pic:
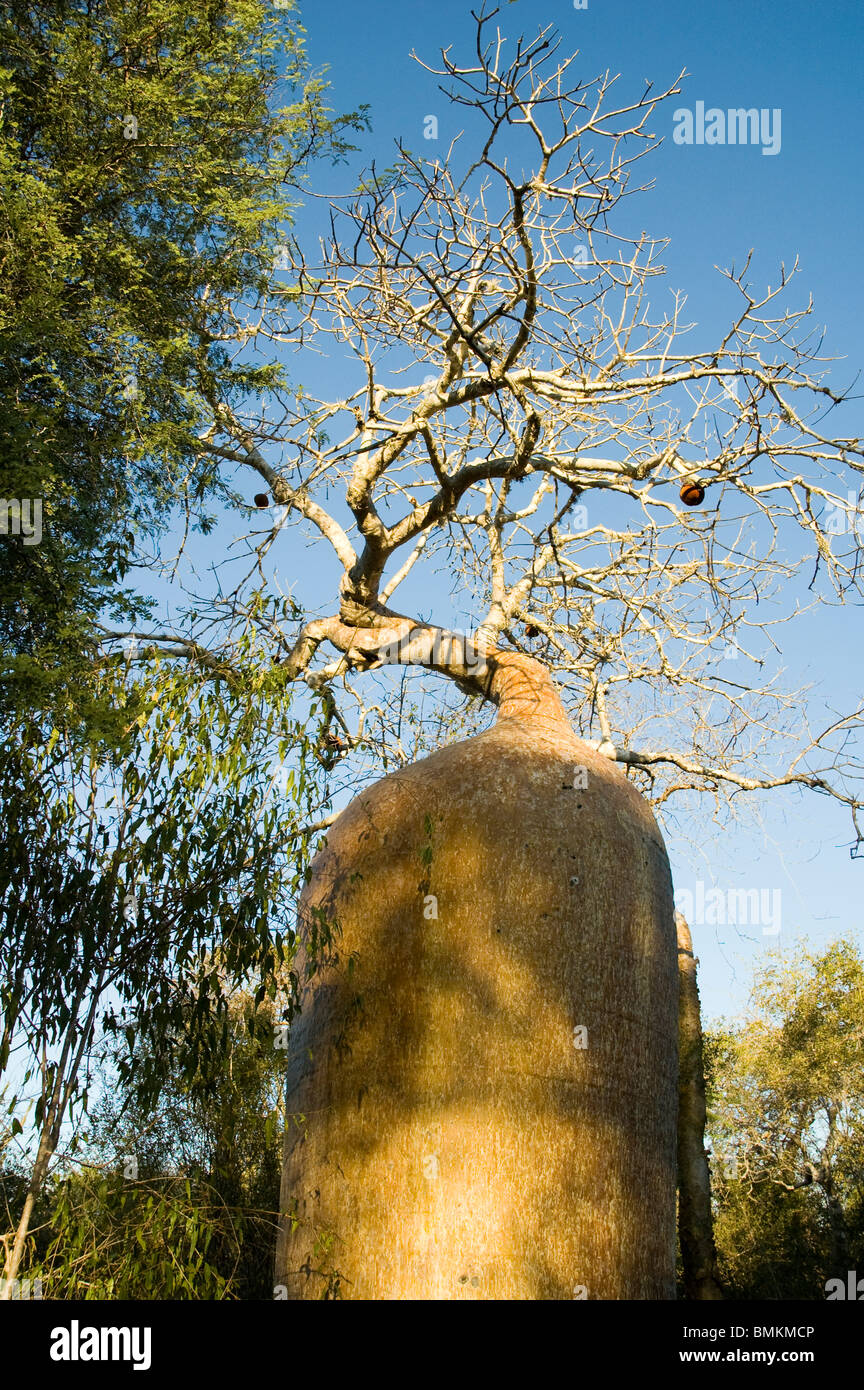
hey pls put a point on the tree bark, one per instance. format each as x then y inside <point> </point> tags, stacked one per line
<point>482,1079</point>
<point>695,1220</point>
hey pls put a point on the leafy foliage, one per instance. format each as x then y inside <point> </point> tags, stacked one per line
<point>178,1199</point>
<point>139,885</point>
<point>146,173</point>
<point>786,1120</point>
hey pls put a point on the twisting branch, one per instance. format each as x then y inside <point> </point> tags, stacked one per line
<point>514,414</point>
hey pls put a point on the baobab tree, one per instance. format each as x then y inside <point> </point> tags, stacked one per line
<point>613,502</point>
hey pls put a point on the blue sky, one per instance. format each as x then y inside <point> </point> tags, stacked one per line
<point>715,203</point>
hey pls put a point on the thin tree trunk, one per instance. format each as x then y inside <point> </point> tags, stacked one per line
<point>52,1123</point>
<point>37,1177</point>
<point>695,1221</point>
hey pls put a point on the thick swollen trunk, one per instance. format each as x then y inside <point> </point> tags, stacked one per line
<point>695,1221</point>
<point>482,1083</point>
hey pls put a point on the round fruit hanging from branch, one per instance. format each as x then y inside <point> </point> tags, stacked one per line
<point>692,493</point>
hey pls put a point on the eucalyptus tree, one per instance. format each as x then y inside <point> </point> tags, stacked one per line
<point>139,885</point>
<point>152,157</point>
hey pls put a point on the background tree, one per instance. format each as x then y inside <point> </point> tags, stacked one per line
<point>151,156</point>
<point>177,1199</point>
<point>139,886</point>
<point>786,1123</point>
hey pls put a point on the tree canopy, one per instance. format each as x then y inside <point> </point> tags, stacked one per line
<point>786,1123</point>
<point>151,157</point>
